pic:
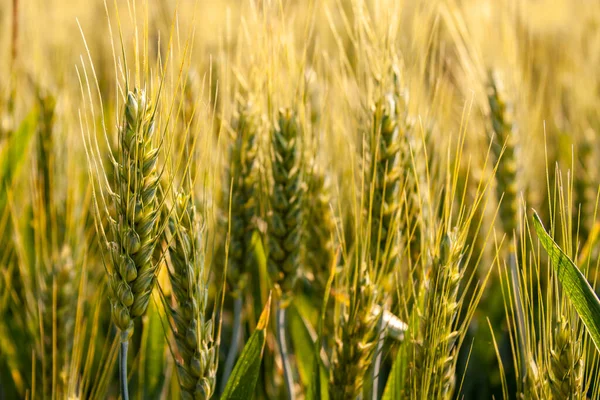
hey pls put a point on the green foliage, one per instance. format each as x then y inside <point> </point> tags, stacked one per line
<point>243,379</point>
<point>573,282</point>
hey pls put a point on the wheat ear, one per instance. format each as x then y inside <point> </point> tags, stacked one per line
<point>193,331</point>
<point>566,363</point>
<point>132,276</point>
<point>243,211</point>
<point>431,369</point>
<point>285,224</point>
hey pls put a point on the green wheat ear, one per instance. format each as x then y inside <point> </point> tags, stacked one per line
<point>134,230</point>
<point>566,363</point>
<point>193,331</point>
<point>285,224</point>
<point>244,202</point>
<point>504,149</point>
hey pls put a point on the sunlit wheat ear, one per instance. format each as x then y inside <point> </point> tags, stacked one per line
<point>383,194</point>
<point>566,362</point>
<point>504,149</point>
<point>356,336</point>
<point>285,223</point>
<point>134,227</point>
<point>431,368</point>
<point>244,196</point>
<point>192,327</point>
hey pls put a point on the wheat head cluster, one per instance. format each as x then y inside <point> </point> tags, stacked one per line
<point>277,199</point>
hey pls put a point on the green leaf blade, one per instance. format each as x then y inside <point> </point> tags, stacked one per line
<point>242,382</point>
<point>579,291</point>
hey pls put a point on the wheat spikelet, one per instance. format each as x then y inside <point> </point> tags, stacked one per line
<point>285,223</point>
<point>244,207</point>
<point>566,363</point>
<point>135,230</point>
<point>431,367</point>
<point>193,331</point>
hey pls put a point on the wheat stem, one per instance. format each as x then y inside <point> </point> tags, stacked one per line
<point>236,337</point>
<point>123,365</point>
<point>378,357</point>
<point>283,349</point>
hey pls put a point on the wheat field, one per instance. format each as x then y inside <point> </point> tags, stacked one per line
<point>311,199</point>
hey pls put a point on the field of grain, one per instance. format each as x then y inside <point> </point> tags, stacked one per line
<point>310,199</point>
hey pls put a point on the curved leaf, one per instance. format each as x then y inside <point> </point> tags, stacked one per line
<point>574,284</point>
<point>243,379</point>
